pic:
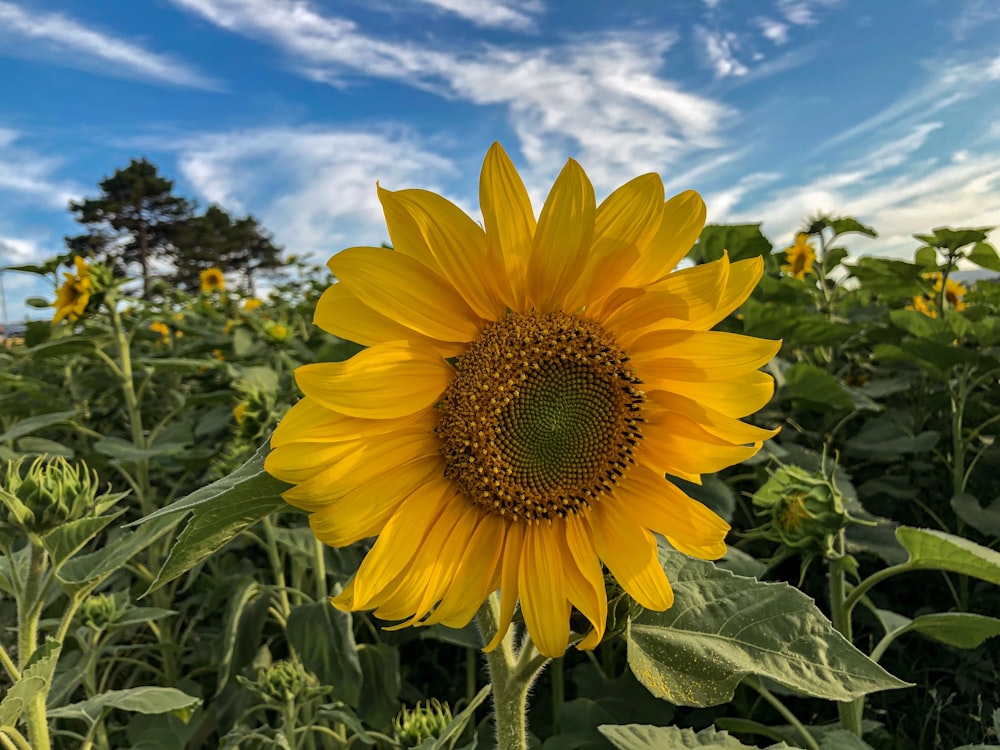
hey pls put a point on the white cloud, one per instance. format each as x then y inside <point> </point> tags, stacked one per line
<point>514,14</point>
<point>30,174</point>
<point>70,43</point>
<point>802,12</point>
<point>720,48</point>
<point>601,98</point>
<point>775,31</point>
<point>974,15</point>
<point>325,180</point>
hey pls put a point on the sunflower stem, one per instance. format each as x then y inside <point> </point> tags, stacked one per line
<point>510,678</point>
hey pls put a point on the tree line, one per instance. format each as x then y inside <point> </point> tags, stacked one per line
<point>137,221</point>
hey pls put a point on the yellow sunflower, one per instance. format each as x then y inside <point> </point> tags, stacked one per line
<point>212,280</point>
<point>74,293</point>
<point>158,326</point>
<point>526,388</point>
<point>800,257</point>
<point>954,294</point>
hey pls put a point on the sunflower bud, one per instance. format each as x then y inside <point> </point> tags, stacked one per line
<point>283,681</point>
<point>52,492</point>
<point>427,720</point>
<point>805,510</point>
<point>98,611</point>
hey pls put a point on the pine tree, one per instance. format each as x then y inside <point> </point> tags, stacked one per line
<point>135,220</point>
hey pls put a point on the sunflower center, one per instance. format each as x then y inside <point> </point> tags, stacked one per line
<point>542,417</point>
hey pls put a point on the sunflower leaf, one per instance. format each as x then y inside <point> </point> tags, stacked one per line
<point>940,551</point>
<point>646,737</point>
<point>724,627</point>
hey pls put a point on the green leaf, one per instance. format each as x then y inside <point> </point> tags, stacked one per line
<point>647,737</point>
<point>741,241</point>
<point>453,732</point>
<point>958,629</point>
<point>219,512</point>
<point>242,342</point>
<point>848,224</point>
<point>143,700</point>
<point>807,382</point>
<point>940,551</point>
<point>36,678</point>
<point>324,639</point>
<point>85,569</point>
<point>984,520</point>
<point>177,364</point>
<point>985,256</point>
<point>127,452</point>
<point>31,424</point>
<point>841,739</point>
<point>379,699</point>
<point>32,445</point>
<point>920,325</point>
<point>723,627</point>
<point>927,257</point>
<point>65,541</point>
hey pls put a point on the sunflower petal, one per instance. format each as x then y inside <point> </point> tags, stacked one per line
<point>584,577</point>
<point>420,299</point>
<point>713,422</point>
<point>508,218</point>
<point>513,549</point>
<point>676,445</point>
<point>562,239</point>
<point>385,381</point>
<point>629,551</point>
<point>543,599</point>
<point>699,356</point>
<point>682,222</point>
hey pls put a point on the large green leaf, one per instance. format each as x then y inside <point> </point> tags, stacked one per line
<point>723,627</point>
<point>740,241</point>
<point>65,541</point>
<point>646,737</point>
<point>379,699</point>
<point>143,700</point>
<point>958,629</point>
<point>31,424</point>
<point>35,680</point>
<point>324,639</point>
<point>219,512</point>
<point>984,520</point>
<point>936,549</point>
<point>985,256</point>
<point>847,224</point>
<point>805,382</point>
<point>84,569</point>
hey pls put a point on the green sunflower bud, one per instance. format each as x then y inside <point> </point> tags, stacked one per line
<point>805,511</point>
<point>284,681</point>
<point>50,493</point>
<point>98,611</point>
<point>426,720</point>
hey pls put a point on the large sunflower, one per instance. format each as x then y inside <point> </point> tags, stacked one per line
<point>525,390</point>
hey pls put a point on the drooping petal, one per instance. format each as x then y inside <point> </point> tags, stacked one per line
<point>735,397</point>
<point>585,577</point>
<point>419,298</point>
<point>510,566</point>
<point>363,511</point>
<point>446,239</point>
<point>562,239</point>
<point>543,597</point>
<point>340,312</point>
<point>676,445</point>
<point>509,220</point>
<point>712,421</point>
<point>658,505</point>
<point>385,381</point>
<point>629,551</point>
<point>698,356</point>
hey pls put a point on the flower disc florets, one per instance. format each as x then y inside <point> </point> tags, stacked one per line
<point>542,417</point>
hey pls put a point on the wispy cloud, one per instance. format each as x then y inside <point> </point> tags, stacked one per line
<point>720,49</point>
<point>70,43</point>
<point>775,31</point>
<point>325,180</point>
<point>803,12</point>
<point>513,14</point>
<point>601,98</point>
<point>26,173</point>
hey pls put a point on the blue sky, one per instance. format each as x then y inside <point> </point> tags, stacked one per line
<point>888,110</point>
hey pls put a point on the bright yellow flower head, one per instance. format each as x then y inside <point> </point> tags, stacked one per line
<point>251,304</point>
<point>800,257</point>
<point>212,280</point>
<point>528,383</point>
<point>953,296</point>
<point>277,332</point>
<point>158,326</point>
<point>74,293</point>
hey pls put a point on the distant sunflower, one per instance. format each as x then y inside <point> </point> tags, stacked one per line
<point>800,257</point>
<point>74,293</point>
<point>212,280</point>
<point>527,385</point>
<point>954,296</point>
<point>158,326</point>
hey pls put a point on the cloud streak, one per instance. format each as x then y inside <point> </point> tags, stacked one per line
<point>70,43</point>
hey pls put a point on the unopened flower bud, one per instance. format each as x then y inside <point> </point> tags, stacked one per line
<point>426,720</point>
<point>50,493</point>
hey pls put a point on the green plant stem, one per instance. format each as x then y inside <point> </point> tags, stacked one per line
<point>29,611</point>
<point>277,568</point>
<point>781,708</point>
<point>288,714</point>
<point>13,739</point>
<point>511,675</point>
<point>849,711</point>
<point>557,673</point>
<point>8,664</point>
<point>322,590</point>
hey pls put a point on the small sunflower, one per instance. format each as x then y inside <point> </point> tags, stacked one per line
<point>526,388</point>
<point>74,293</point>
<point>158,326</point>
<point>251,304</point>
<point>954,294</point>
<point>800,257</point>
<point>212,280</point>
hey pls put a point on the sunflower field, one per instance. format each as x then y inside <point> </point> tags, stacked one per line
<point>604,478</point>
